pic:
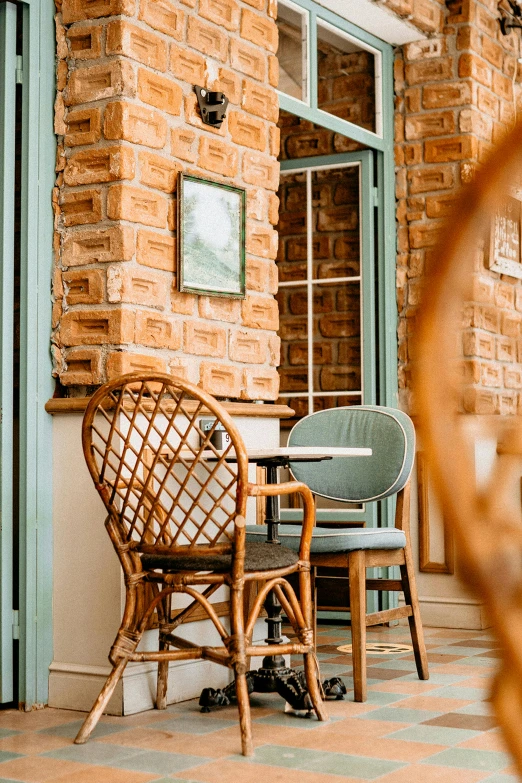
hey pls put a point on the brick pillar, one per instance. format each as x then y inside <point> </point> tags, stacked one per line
<point>456,98</point>
<point>128,123</point>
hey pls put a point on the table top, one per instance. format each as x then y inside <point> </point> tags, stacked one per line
<point>297,453</point>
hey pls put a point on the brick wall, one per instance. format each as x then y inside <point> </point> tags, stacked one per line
<point>456,96</point>
<point>128,123</point>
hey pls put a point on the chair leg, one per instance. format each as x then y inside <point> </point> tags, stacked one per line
<point>163,681</point>
<point>245,723</point>
<point>311,675</point>
<point>357,580</point>
<point>411,598</point>
<point>101,702</point>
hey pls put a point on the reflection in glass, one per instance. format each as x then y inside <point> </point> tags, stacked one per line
<point>335,221</point>
<point>292,52</point>
<point>293,330</point>
<point>337,338</point>
<point>347,78</point>
<point>291,258</point>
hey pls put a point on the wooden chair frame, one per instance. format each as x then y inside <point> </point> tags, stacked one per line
<point>357,562</point>
<point>141,521</point>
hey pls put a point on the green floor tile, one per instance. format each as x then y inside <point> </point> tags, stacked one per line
<point>195,724</point>
<point>477,708</point>
<point>72,729</point>
<point>8,733</point>
<point>399,715</point>
<point>383,698</point>
<point>93,753</point>
<point>466,758</point>
<point>497,779</point>
<point>395,663</point>
<point>322,762</point>
<point>6,755</point>
<point>159,762</point>
<point>10,780</point>
<point>292,721</point>
<point>433,735</point>
<point>456,692</point>
<point>438,678</point>
<point>463,651</point>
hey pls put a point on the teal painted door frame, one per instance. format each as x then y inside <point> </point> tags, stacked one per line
<point>35,72</point>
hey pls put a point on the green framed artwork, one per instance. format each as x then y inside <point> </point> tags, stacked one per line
<point>211,238</point>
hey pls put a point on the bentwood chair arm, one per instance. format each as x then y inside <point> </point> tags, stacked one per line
<point>289,488</point>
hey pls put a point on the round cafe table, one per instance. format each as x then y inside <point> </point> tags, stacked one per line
<point>274,675</point>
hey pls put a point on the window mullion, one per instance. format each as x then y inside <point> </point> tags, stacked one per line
<point>309,291</point>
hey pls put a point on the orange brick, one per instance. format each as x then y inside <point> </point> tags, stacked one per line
<point>260,384</point>
<point>156,250</point>
<point>136,286</point>
<point>426,50</point>
<point>486,21</point>
<point>487,102</point>
<point>221,380</point>
<point>187,66</point>
<point>473,121</point>
<point>83,206</point>
<point>182,144</point>
<point>218,156</point>
<point>119,363</point>
<point>98,246</point>
<point>274,349</point>
<point>273,209</point>
<point>503,86</point>
<point>137,205</point>
<point>420,126</point>
<point>261,241</point>
<point>138,44</point>
<point>187,368</point>
<point>157,331</point>
<point>424,235</point>
<point>247,59</point>
<point>181,302</point>
<point>247,347</point>
<point>164,16</point>
<point>247,131</point>
<point>511,323</point>
<point>456,148</point>
<point>207,39</point>
<point>423,180</point>
<point>214,308</point>
<point>227,82</point>
<point>259,30</point>
<point>224,13</point>
<point>471,65</point>
<point>429,70</point>
<point>83,367</point>
<point>273,71</point>
<point>256,275</point>
<point>83,287</point>
<point>260,170</point>
<point>435,96</point>
<point>135,123</point>
<point>479,401</point>
<point>85,41</point>
<point>261,101</point>
<point>171,215</point>
<point>76,10</point>
<point>193,116</point>
<point>97,327</point>
<point>259,4</point>
<point>492,52</point>
<point>82,126</point>
<point>260,312</point>
<point>158,172</point>
<point>100,165</point>
<point>204,339</point>
<point>427,15</point>
<point>274,141</point>
<point>116,77</point>
<point>440,206</point>
<point>159,91</point>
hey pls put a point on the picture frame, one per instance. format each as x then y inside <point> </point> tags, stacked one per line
<point>211,237</point>
<point>505,239</point>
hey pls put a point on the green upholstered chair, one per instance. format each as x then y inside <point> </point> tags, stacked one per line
<point>391,436</point>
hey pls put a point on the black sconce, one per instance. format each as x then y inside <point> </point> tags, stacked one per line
<point>512,19</point>
<point>212,106</point>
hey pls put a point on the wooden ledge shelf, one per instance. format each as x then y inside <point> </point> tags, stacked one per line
<point>266,411</point>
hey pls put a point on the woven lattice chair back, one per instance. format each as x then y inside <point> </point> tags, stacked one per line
<point>158,473</point>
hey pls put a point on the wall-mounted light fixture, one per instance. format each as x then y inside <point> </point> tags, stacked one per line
<point>510,16</point>
<point>212,105</point>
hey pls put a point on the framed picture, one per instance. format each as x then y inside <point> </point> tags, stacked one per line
<point>504,250</point>
<point>211,238</point>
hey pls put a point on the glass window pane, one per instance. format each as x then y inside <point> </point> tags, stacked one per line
<point>293,331</point>
<point>335,221</point>
<point>337,338</point>
<point>347,78</point>
<point>291,228</point>
<point>292,53</point>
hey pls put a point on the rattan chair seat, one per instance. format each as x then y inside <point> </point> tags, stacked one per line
<point>258,557</point>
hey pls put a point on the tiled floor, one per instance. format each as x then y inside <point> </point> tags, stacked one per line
<point>407,732</point>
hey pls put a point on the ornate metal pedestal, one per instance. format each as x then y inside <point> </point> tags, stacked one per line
<point>274,676</point>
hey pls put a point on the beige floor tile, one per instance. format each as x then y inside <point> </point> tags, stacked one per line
<point>392,686</point>
<point>424,773</point>
<point>104,775</point>
<point>226,742</point>
<point>487,740</point>
<point>29,743</point>
<point>38,769</point>
<point>37,719</point>
<point>245,772</point>
<point>435,703</point>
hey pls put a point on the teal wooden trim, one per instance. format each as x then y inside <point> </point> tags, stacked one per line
<point>343,24</point>
<point>312,59</point>
<point>36,386</point>
<point>7,228</point>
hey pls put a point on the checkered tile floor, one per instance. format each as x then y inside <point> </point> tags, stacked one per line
<point>408,731</point>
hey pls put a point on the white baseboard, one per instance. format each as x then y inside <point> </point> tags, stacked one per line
<point>460,613</point>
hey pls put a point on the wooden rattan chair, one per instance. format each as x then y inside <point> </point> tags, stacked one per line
<point>177,521</point>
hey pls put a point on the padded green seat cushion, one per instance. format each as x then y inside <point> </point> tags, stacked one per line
<point>326,539</point>
<point>387,431</point>
<point>259,556</point>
